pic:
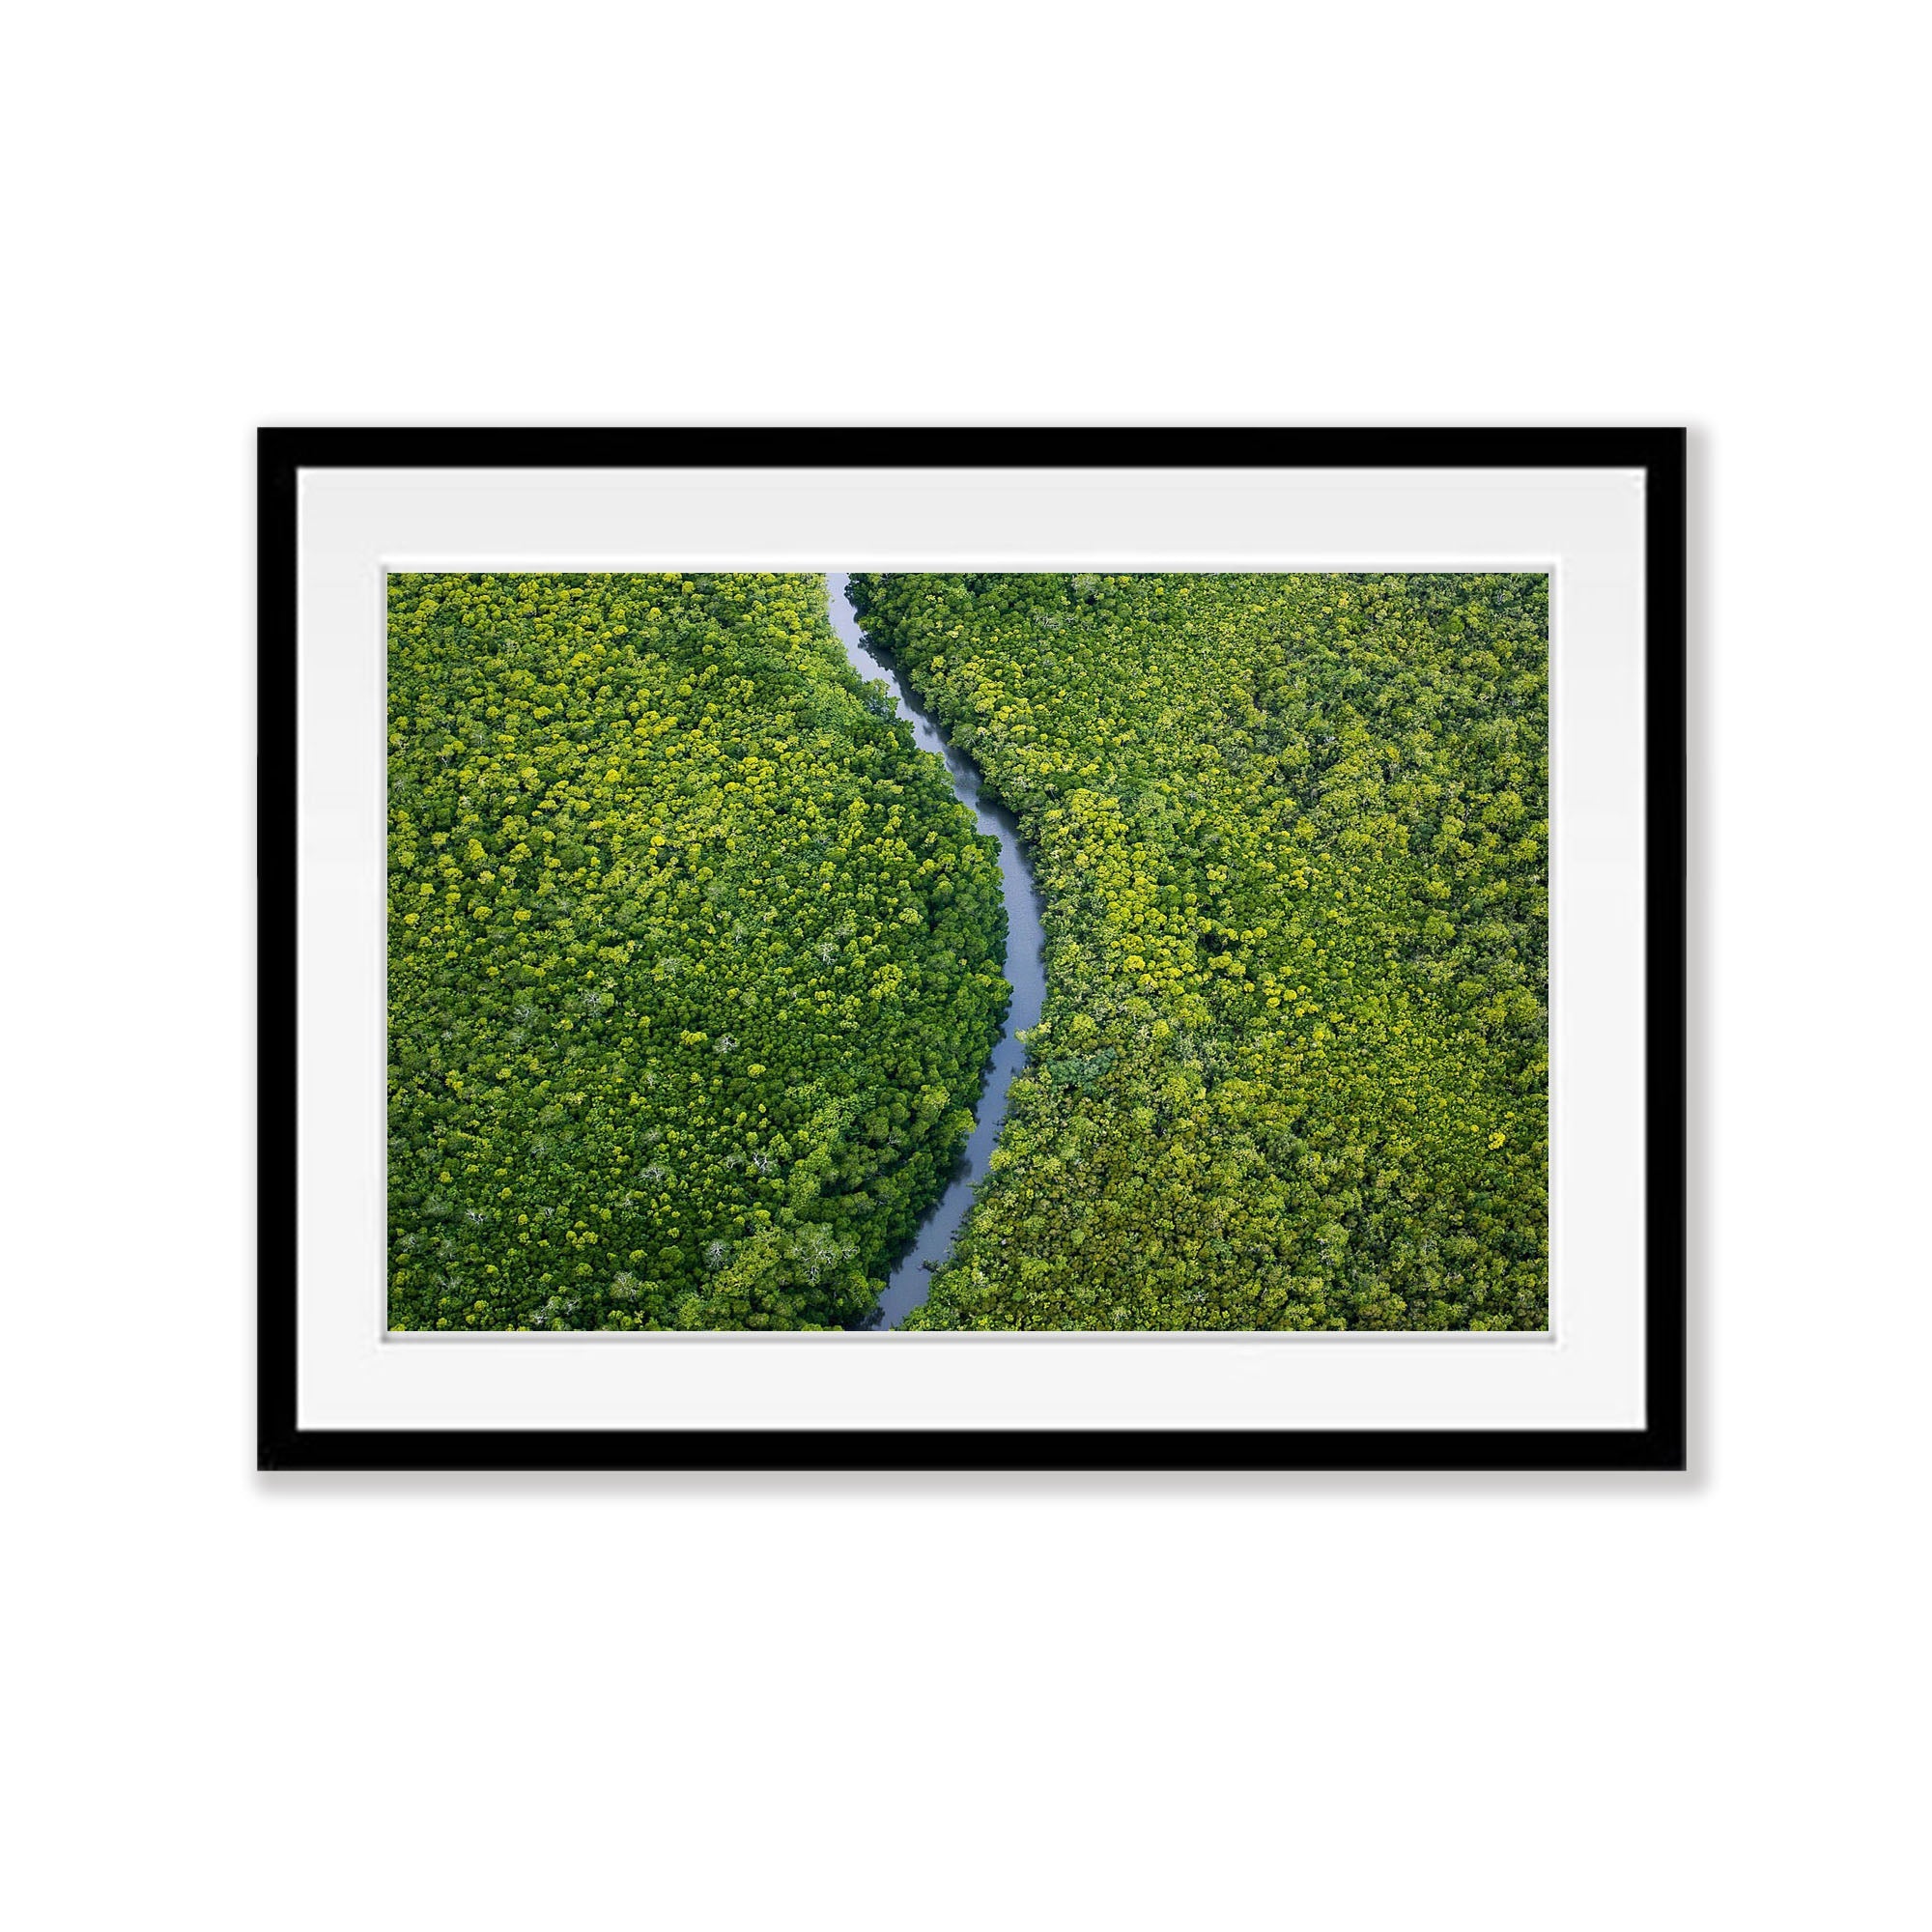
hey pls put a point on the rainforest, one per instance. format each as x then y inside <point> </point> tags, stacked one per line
<point>697,959</point>
<point>694,959</point>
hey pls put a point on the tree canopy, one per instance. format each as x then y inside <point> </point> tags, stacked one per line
<point>1290,835</point>
<point>694,959</point>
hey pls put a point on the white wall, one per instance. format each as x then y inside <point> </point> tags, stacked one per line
<point>235,1702</point>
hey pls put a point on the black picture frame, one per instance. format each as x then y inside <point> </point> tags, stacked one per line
<point>1661,1444</point>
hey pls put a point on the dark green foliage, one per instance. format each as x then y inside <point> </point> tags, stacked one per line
<point>1290,835</point>
<point>694,960</point>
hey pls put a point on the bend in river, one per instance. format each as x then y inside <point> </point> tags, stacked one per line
<point>1026,970</point>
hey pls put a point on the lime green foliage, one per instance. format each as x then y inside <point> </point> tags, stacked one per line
<point>1291,836</point>
<point>694,960</point>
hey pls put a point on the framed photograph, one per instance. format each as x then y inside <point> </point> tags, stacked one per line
<point>951,948</point>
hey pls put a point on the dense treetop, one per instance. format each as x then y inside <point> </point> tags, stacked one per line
<point>1291,834</point>
<point>694,959</point>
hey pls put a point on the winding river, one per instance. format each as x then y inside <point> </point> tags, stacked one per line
<point>1026,970</point>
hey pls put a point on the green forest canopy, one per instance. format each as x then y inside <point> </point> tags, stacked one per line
<point>694,959</point>
<point>1290,835</point>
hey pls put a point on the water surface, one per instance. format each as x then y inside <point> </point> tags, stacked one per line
<point>1026,970</point>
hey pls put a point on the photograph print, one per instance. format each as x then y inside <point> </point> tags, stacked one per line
<point>913,953</point>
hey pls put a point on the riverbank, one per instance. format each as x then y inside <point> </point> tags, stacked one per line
<point>1025,970</point>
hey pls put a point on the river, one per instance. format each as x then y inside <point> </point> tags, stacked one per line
<point>1026,970</point>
